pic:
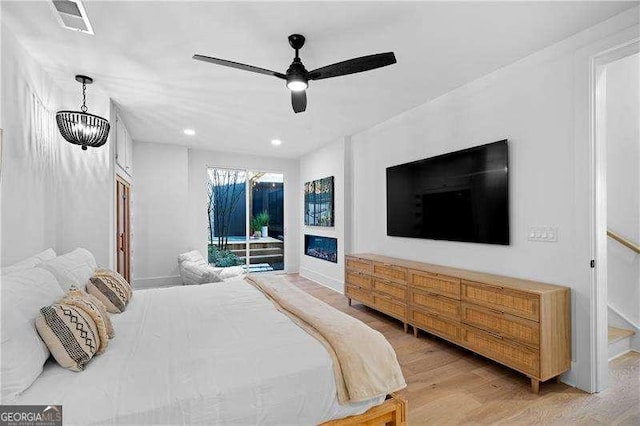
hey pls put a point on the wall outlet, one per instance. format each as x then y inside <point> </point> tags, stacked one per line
<point>547,234</point>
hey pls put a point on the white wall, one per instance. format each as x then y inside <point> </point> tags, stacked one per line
<point>28,157</point>
<point>170,203</point>
<point>542,105</point>
<point>85,200</point>
<point>623,183</point>
<point>324,162</point>
<point>531,108</point>
<point>53,193</point>
<point>160,220</point>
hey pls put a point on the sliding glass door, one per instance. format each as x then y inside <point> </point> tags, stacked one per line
<point>266,222</point>
<point>246,219</point>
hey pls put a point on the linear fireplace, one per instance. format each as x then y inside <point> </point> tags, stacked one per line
<point>325,248</point>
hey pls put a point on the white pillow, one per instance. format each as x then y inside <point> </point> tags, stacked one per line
<point>30,262</point>
<point>192,256</point>
<point>74,268</point>
<point>48,254</point>
<point>230,272</point>
<point>193,273</point>
<point>23,293</point>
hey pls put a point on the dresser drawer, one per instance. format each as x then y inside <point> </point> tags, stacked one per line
<point>356,293</point>
<point>433,323</point>
<point>522,304</point>
<point>510,326</point>
<point>397,291</point>
<point>502,350</point>
<point>358,279</point>
<point>390,272</point>
<point>389,306</point>
<point>358,264</point>
<point>435,303</point>
<point>434,283</point>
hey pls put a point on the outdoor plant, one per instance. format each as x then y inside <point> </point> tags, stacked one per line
<point>255,224</point>
<point>222,258</point>
<point>262,219</point>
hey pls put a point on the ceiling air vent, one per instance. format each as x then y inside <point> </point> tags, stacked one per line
<point>72,15</point>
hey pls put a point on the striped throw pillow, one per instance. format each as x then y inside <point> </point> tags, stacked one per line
<point>103,272</point>
<point>70,334</point>
<point>97,304</point>
<point>111,291</point>
<point>93,308</point>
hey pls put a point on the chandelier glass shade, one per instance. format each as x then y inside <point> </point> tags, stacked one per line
<point>80,127</point>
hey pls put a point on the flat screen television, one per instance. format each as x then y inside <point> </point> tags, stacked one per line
<point>460,196</point>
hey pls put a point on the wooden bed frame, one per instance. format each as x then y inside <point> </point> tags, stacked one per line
<point>392,412</point>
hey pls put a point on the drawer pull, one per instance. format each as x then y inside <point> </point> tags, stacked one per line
<point>495,287</point>
<point>497,336</point>
<point>495,311</point>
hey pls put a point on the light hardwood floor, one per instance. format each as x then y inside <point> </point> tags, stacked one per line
<point>448,385</point>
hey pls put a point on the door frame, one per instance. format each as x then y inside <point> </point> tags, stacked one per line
<point>598,194</point>
<point>127,184</point>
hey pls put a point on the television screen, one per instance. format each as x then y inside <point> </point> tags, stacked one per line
<point>460,196</point>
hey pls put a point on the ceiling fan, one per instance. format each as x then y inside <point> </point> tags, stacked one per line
<point>298,77</point>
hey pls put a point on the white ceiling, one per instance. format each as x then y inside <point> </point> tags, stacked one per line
<point>141,57</point>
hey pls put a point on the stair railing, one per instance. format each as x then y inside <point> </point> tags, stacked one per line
<point>625,242</point>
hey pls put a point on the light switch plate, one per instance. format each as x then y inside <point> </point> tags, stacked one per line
<point>548,234</point>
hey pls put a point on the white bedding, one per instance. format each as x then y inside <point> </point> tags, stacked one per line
<point>211,354</point>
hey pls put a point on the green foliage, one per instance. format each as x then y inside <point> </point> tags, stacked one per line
<point>222,258</point>
<point>255,225</point>
<point>262,219</point>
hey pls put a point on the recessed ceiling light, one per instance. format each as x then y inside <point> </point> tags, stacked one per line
<point>189,132</point>
<point>276,142</point>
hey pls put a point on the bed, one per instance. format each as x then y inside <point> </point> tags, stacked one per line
<point>217,353</point>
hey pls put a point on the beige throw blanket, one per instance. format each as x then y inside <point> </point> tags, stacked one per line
<point>364,363</point>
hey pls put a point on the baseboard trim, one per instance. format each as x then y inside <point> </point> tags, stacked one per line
<point>323,280</point>
<point>620,354</point>
<point>155,282</point>
<point>570,377</point>
<point>635,339</point>
<point>615,310</point>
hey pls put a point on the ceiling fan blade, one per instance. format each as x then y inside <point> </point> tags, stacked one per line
<point>238,65</point>
<point>352,66</point>
<point>299,101</point>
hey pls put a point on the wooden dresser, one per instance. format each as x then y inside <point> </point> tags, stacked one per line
<point>522,324</point>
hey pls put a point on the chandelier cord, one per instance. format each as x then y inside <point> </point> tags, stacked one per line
<point>83,108</point>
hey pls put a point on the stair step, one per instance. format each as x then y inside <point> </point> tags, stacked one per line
<point>260,251</point>
<point>616,334</point>
<point>263,258</point>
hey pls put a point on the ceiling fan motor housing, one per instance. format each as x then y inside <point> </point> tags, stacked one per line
<point>297,73</point>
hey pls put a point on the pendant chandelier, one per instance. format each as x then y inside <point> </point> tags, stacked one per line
<point>80,127</point>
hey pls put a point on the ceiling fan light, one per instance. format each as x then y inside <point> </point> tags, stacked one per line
<point>297,85</point>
